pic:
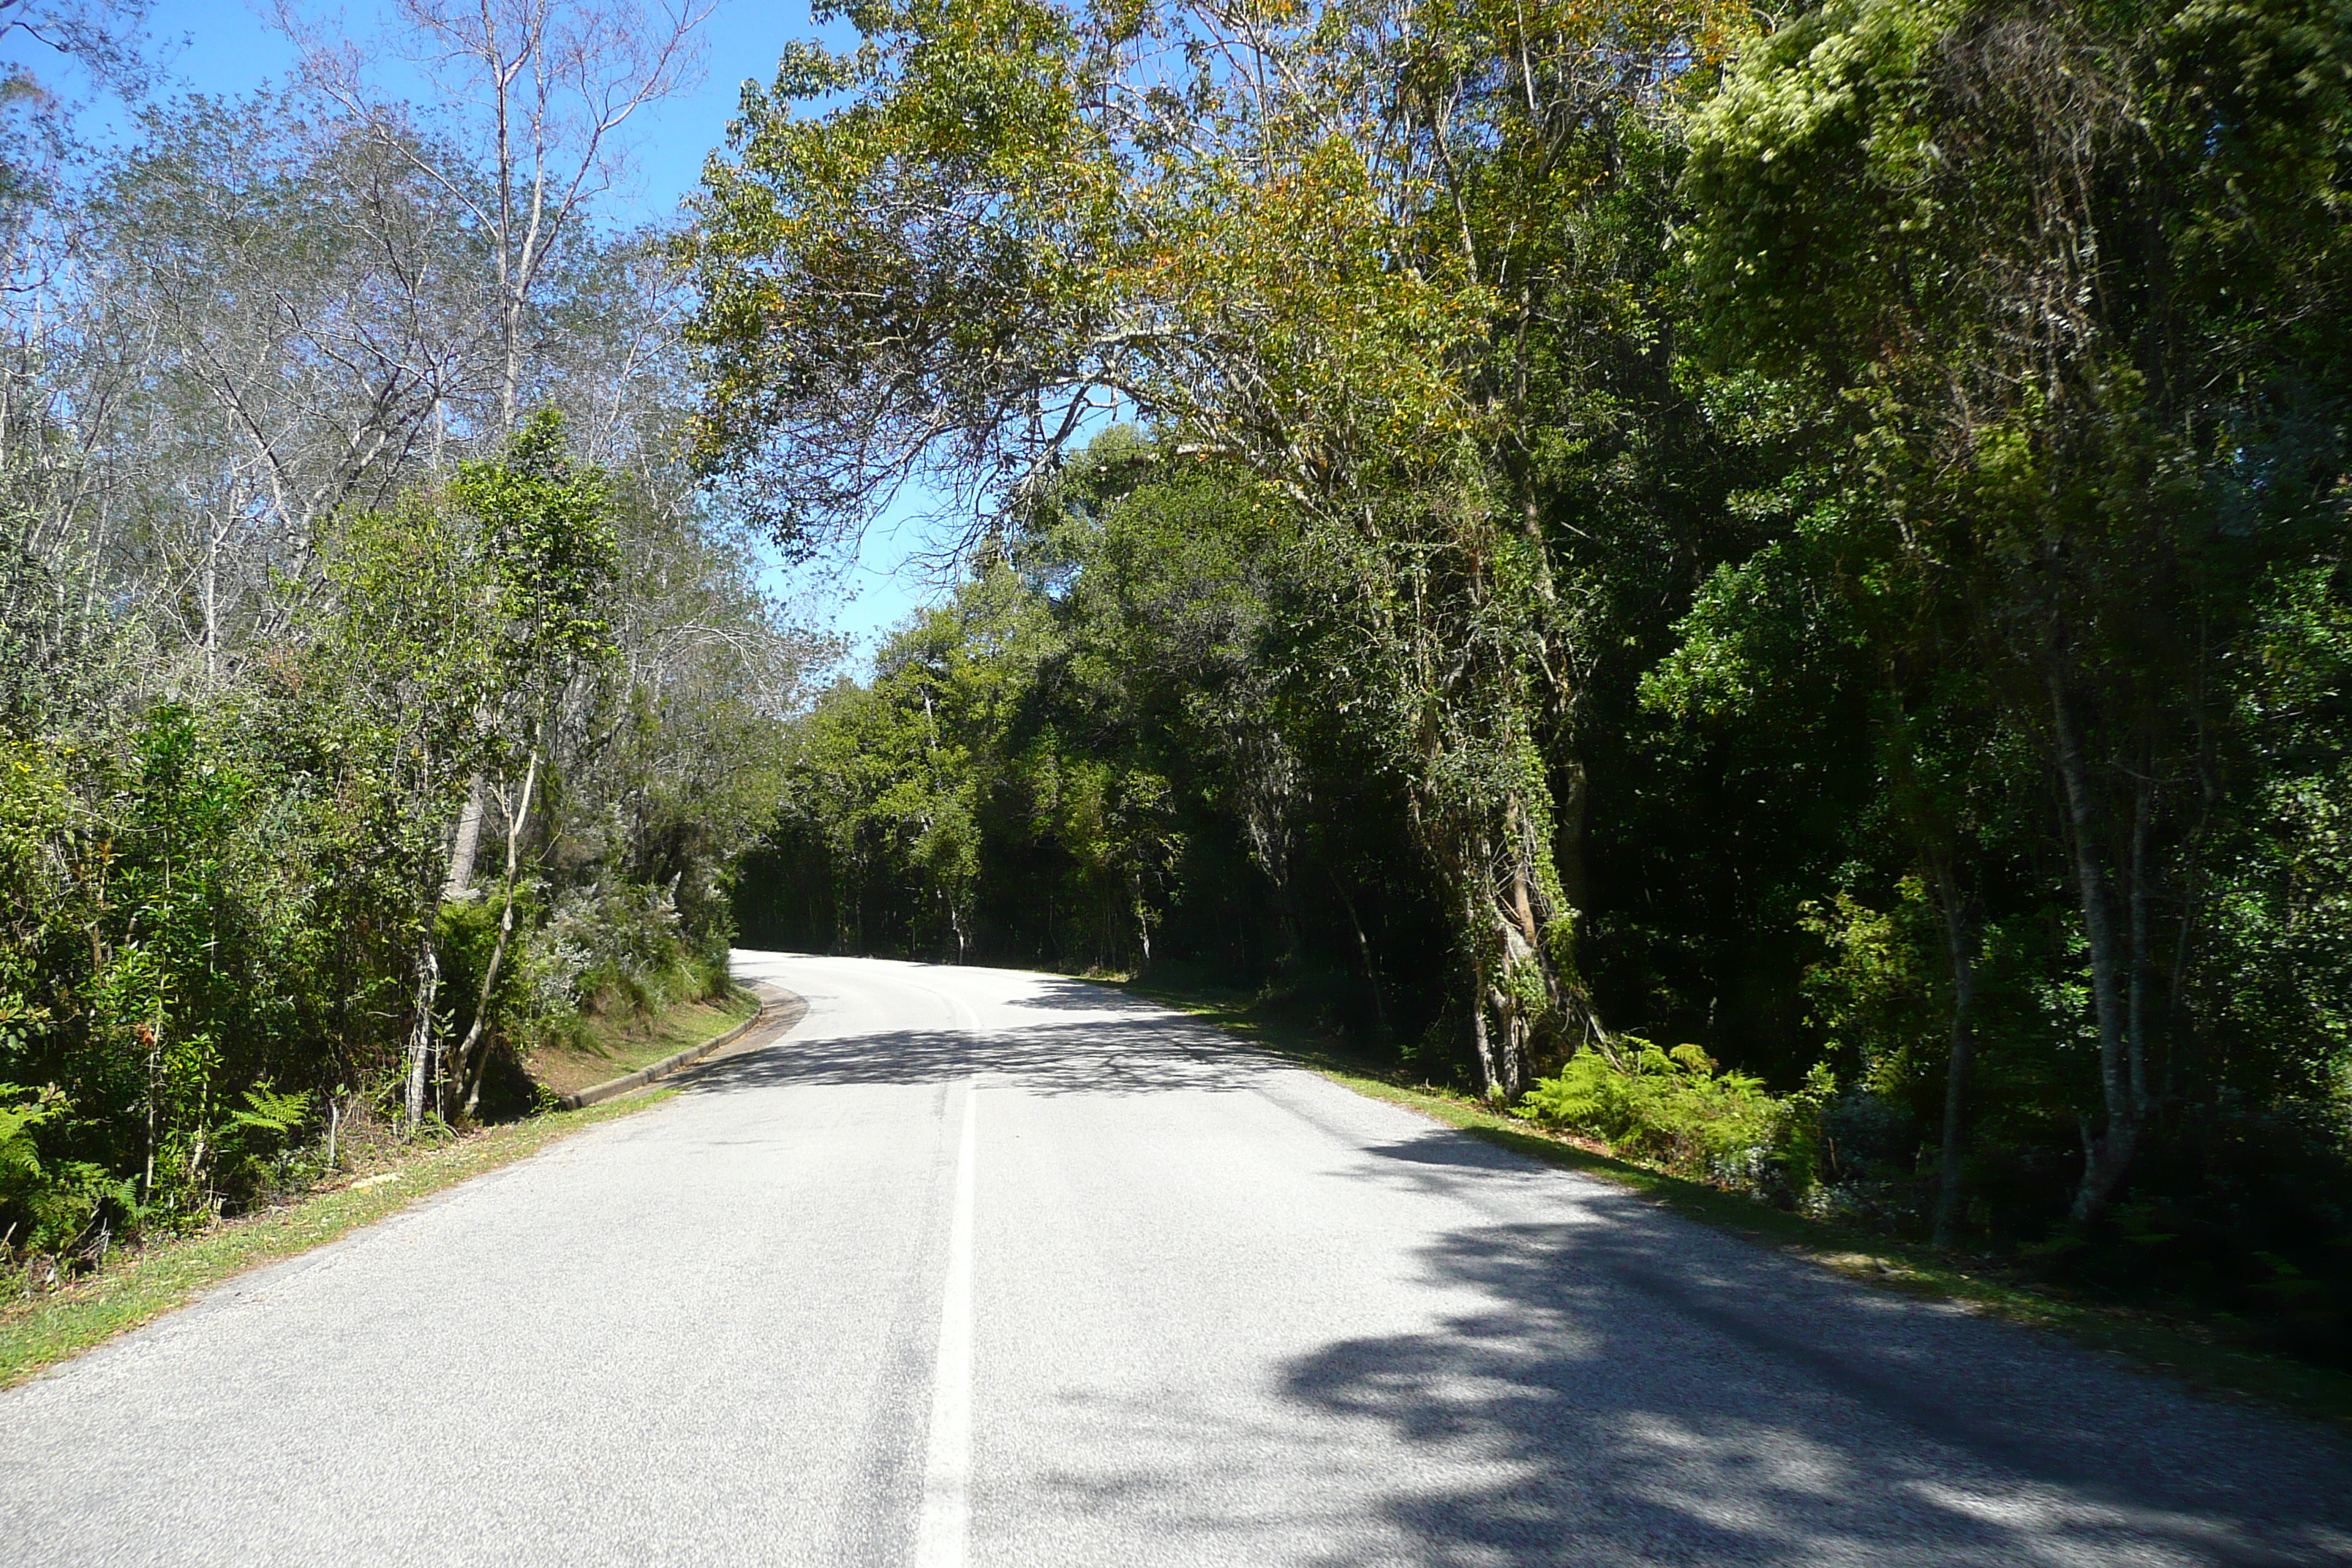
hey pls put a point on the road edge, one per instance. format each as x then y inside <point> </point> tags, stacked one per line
<point>777,1005</point>
<point>2185,1355</point>
<point>182,1272</point>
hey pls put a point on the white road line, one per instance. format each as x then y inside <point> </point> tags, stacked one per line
<point>946,1473</point>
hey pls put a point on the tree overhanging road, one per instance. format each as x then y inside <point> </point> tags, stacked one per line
<point>986,1267</point>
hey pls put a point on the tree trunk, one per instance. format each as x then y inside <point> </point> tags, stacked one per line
<point>1511,1064</point>
<point>154,1091</point>
<point>212,601</point>
<point>1489,1069</point>
<point>1569,837</point>
<point>465,843</point>
<point>420,1035</point>
<point>2142,806</point>
<point>1364,949</point>
<point>1508,895</point>
<point>1505,1029</point>
<point>2108,1158</point>
<point>1960,948</point>
<point>469,1069</point>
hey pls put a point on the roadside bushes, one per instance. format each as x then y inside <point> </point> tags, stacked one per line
<point>228,927</point>
<point>50,1207</point>
<point>183,929</point>
<point>1675,1109</point>
<point>624,947</point>
<point>2244,1207</point>
<point>209,911</point>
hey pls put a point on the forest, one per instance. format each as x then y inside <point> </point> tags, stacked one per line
<point>1769,589</point>
<point>378,692</point>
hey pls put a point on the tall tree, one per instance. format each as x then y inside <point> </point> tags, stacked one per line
<point>540,92</point>
<point>2059,274</point>
<point>1361,253</point>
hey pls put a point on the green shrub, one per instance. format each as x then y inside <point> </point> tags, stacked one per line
<point>620,947</point>
<point>1675,1109</point>
<point>47,1205</point>
<point>259,1144</point>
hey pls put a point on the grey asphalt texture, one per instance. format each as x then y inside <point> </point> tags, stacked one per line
<point>1222,1312</point>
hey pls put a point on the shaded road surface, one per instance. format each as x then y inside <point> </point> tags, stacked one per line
<point>989,1268</point>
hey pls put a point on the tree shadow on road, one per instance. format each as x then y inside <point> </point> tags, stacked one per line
<point>1672,1395</point>
<point>1062,993</point>
<point>1101,1058</point>
<point>1653,1392</point>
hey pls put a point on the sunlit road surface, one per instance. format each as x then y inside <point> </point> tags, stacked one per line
<point>993,1267</point>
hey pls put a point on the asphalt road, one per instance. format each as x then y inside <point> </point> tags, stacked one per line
<point>991,1267</point>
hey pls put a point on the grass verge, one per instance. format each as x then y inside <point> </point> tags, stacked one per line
<point>2197,1350</point>
<point>610,1047</point>
<point>143,1283</point>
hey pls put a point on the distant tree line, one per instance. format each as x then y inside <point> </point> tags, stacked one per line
<point>1824,541</point>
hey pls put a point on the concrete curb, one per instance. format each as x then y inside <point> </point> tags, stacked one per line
<point>776,1004</point>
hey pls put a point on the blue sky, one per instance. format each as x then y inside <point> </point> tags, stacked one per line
<point>223,47</point>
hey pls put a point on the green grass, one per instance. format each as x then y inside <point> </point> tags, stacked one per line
<point>611,1044</point>
<point>2196,1349</point>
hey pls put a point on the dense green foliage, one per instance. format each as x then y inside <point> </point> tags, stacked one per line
<point>1827,542</point>
<point>353,736</point>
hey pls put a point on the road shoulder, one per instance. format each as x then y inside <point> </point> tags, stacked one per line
<point>2184,1350</point>
<point>152,1281</point>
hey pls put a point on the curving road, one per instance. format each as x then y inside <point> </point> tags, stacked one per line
<point>995,1268</point>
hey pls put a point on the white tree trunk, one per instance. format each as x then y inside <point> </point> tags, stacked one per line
<point>465,845</point>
